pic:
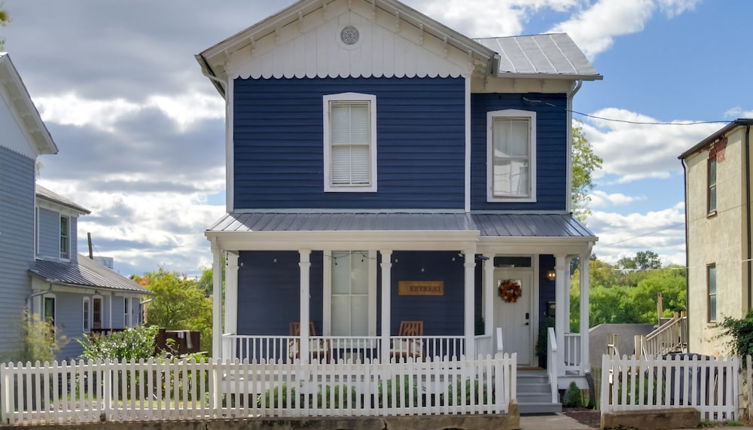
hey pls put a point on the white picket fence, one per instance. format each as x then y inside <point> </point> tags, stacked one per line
<point>82,392</point>
<point>710,385</point>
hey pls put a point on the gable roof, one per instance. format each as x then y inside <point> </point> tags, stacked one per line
<point>551,56</point>
<point>49,195</point>
<point>85,273</point>
<point>21,101</point>
<point>716,135</point>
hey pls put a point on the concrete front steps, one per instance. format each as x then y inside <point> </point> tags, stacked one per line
<point>535,393</point>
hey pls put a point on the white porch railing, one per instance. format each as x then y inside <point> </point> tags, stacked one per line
<point>709,385</point>
<point>342,348</point>
<point>78,393</point>
<point>572,353</point>
<point>552,363</point>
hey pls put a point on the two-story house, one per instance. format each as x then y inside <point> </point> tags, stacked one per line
<point>718,229</point>
<point>398,187</point>
<point>40,269</point>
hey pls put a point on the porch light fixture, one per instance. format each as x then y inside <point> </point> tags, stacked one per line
<point>551,275</point>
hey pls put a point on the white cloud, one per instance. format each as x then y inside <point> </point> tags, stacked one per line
<point>488,18</point>
<point>639,151</point>
<point>184,109</point>
<point>601,199</point>
<point>738,112</point>
<point>595,28</point>
<point>622,235</point>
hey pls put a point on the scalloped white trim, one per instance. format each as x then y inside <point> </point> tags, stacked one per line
<point>341,75</point>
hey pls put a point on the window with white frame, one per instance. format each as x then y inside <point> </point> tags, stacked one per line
<point>65,237</point>
<point>126,312</point>
<point>350,143</point>
<point>97,312</point>
<point>350,293</point>
<point>511,157</point>
<point>86,314</point>
<point>48,309</point>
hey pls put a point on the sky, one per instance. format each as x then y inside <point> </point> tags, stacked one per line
<point>141,131</point>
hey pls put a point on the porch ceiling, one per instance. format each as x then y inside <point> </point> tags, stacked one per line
<point>553,226</point>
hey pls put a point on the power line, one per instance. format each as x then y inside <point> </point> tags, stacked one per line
<point>648,122</point>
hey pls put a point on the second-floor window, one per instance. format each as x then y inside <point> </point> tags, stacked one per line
<point>511,172</point>
<point>350,143</point>
<point>711,194</point>
<point>65,239</point>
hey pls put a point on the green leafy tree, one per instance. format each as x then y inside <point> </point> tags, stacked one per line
<point>739,334</point>
<point>179,304</point>
<point>584,163</point>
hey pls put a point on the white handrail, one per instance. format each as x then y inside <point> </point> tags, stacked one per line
<point>499,339</point>
<point>551,363</point>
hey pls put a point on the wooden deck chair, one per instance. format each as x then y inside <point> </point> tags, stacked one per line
<point>409,348</point>
<point>319,349</point>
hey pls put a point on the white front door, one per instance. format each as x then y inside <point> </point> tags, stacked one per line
<point>515,318</point>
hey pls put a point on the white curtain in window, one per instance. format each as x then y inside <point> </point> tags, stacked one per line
<point>350,293</point>
<point>511,137</point>
<point>350,131</point>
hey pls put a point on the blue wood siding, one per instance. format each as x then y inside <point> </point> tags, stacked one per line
<point>69,320</point>
<point>278,133</point>
<point>551,149</point>
<point>442,315</point>
<point>49,234</point>
<point>16,243</point>
<point>268,291</point>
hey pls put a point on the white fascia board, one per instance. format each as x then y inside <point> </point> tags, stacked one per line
<point>554,76</point>
<point>21,101</point>
<point>64,210</point>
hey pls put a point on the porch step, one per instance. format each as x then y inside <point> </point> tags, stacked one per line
<point>534,393</point>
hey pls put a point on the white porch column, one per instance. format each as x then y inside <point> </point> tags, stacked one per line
<point>585,282</point>
<point>386,296</point>
<point>216,302</point>
<point>559,320</point>
<point>489,299</point>
<point>231,292</point>
<point>305,265</point>
<point>470,278</point>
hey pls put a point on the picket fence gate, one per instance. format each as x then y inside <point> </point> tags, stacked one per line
<point>711,385</point>
<point>85,392</point>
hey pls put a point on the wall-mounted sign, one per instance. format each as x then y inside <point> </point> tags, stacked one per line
<point>421,288</point>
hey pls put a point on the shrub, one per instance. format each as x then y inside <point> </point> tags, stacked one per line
<point>397,382</point>
<point>132,344</point>
<point>739,334</point>
<point>39,342</point>
<point>471,389</point>
<point>573,397</point>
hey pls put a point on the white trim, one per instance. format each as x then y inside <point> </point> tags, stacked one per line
<point>55,311</point>
<point>229,146</point>
<point>327,290</point>
<point>468,154</point>
<point>357,211</point>
<point>86,314</point>
<point>44,203</point>
<point>60,237</point>
<point>101,310</point>
<point>533,312</point>
<point>350,97</point>
<point>568,155</point>
<point>36,229</point>
<point>372,292</point>
<point>327,293</point>
<point>510,113</point>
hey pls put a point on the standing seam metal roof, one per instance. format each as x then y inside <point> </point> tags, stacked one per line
<point>85,273</point>
<point>494,225</point>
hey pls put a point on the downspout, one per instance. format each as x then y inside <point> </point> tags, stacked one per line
<point>687,258</point>
<point>747,213</point>
<point>31,296</point>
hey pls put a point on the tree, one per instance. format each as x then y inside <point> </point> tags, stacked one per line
<point>584,163</point>
<point>643,260</point>
<point>4,20</point>
<point>179,304</point>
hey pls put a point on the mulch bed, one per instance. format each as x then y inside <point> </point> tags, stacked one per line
<point>585,416</point>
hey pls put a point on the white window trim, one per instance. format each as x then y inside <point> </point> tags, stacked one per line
<point>60,233</point>
<point>509,113</point>
<point>351,97</point>
<point>84,311</point>
<point>101,310</point>
<point>127,312</point>
<point>55,311</point>
<point>327,292</point>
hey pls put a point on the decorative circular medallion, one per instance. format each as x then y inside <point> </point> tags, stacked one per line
<point>349,35</point>
<point>509,290</point>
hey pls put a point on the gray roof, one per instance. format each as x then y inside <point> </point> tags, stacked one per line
<point>54,197</point>
<point>716,135</point>
<point>527,225</point>
<point>552,55</point>
<point>85,273</point>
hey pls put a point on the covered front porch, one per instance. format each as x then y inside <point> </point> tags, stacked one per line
<point>382,288</point>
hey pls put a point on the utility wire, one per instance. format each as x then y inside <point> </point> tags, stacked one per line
<point>648,122</point>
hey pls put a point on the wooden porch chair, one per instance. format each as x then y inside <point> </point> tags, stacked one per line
<point>319,349</point>
<point>409,348</point>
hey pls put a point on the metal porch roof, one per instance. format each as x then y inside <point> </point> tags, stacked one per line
<point>492,225</point>
<point>552,55</point>
<point>85,273</point>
